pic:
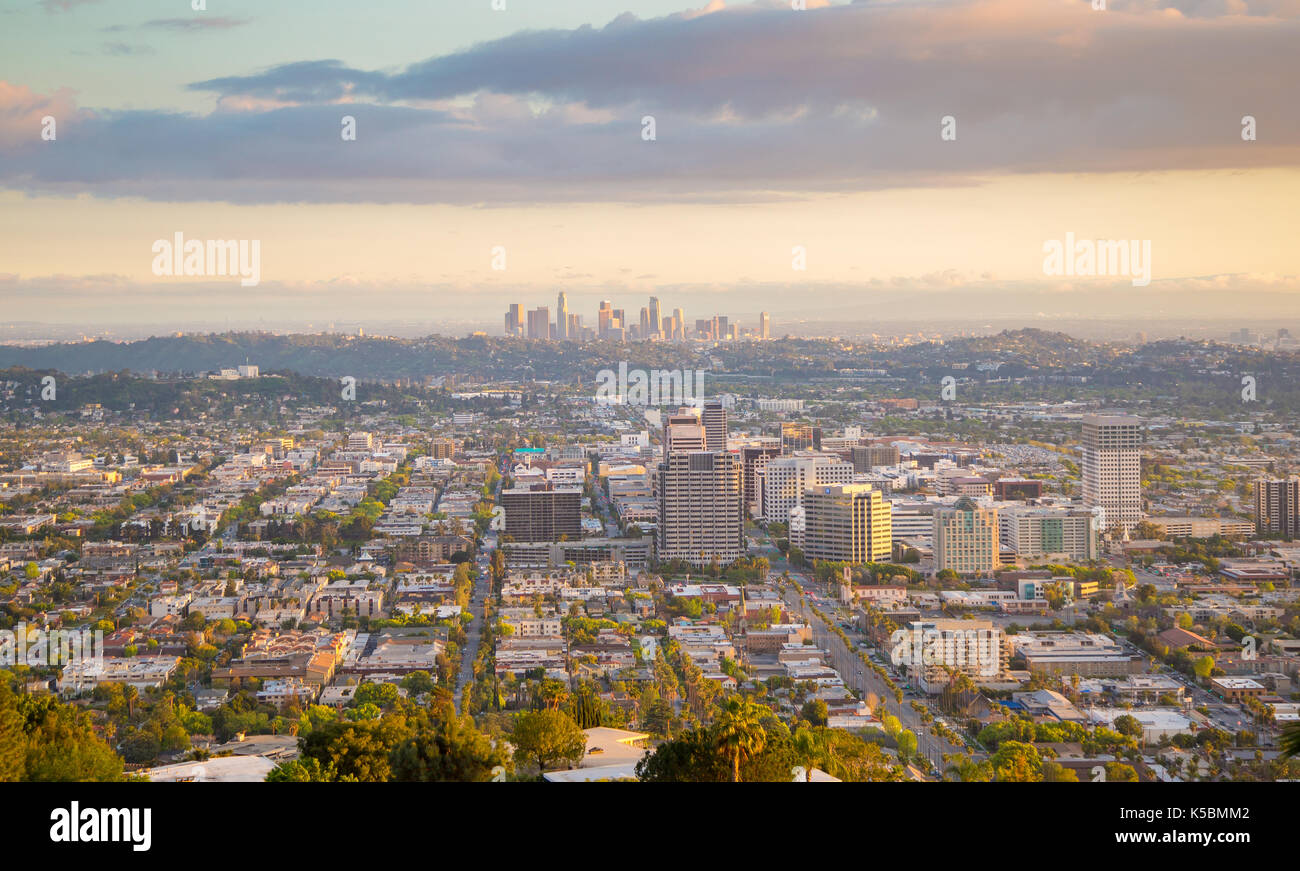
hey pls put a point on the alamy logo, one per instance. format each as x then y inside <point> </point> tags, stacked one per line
<point>37,648</point>
<point>1131,257</point>
<point>649,387</point>
<point>76,824</point>
<point>215,257</point>
<point>975,651</point>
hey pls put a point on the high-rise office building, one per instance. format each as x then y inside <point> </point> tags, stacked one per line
<point>715,425</point>
<point>699,508</point>
<point>679,323</point>
<point>1112,467</point>
<point>604,317</point>
<point>753,462</point>
<point>764,325</point>
<point>846,523</point>
<point>800,437</point>
<point>966,539</point>
<point>1277,506</point>
<point>562,316</point>
<point>515,320</point>
<point>785,479</point>
<point>644,325</point>
<point>539,323</point>
<point>656,316</point>
<point>543,512</point>
<point>683,431</point>
<point>868,457</point>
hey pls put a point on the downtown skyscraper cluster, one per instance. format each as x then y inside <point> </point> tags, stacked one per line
<point>654,322</point>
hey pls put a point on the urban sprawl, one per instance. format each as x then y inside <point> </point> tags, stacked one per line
<point>1016,558</point>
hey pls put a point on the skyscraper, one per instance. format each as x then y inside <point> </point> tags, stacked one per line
<point>799,437</point>
<point>604,317</point>
<point>715,425</point>
<point>683,431</point>
<point>562,316</point>
<point>867,457</point>
<point>539,323</point>
<point>847,523</point>
<point>699,508</point>
<point>679,323</point>
<point>1277,506</point>
<point>764,325</point>
<point>1112,467</point>
<point>515,320</point>
<point>753,464</point>
<point>656,316</point>
<point>786,479</point>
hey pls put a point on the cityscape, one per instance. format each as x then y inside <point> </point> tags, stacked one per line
<point>667,391</point>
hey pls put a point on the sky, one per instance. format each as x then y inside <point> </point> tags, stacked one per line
<point>887,158</point>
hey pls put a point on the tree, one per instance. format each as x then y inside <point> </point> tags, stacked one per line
<point>1118,772</point>
<point>1017,762</point>
<point>815,712</point>
<point>693,757</point>
<point>381,695</point>
<point>842,754</point>
<point>418,683</point>
<point>1055,772</point>
<point>356,751</point>
<point>57,742</point>
<point>547,737</point>
<point>1127,724</point>
<point>739,733</point>
<point>966,770</point>
<point>1204,667</point>
<point>906,744</point>
<point>305,770</point>
<point>453,750</point>
<point>13,762</point>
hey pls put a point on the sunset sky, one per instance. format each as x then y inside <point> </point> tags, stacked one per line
<point>522,128</point>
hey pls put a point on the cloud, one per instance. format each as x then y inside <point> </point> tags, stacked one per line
<point>750,103</point>
<point>123,49</point>
<point>64,5</point>
<point>22,111</point>
<point>196,23</point>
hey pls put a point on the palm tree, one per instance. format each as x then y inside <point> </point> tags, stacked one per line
<point>1291,740</point>
<point>739,733</point>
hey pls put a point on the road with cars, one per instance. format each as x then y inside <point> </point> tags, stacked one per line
<point>856,675</point>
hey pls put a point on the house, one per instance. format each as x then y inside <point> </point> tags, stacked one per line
<point>1179,639</point>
